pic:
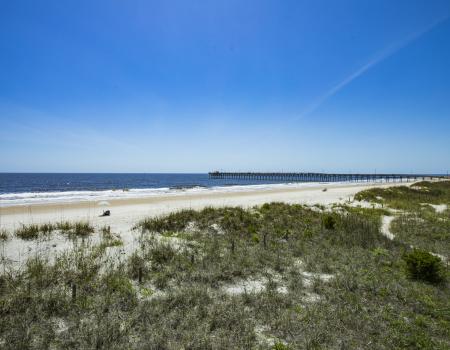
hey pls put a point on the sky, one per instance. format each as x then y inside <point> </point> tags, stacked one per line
<point>195,86</point>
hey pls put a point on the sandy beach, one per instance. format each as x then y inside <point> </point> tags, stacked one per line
<point>125,213</point>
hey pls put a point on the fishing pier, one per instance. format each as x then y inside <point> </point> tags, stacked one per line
<point>319,177</point>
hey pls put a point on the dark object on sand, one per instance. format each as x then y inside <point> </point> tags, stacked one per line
<point>106,213</point>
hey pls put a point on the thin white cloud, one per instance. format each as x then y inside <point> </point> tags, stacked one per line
<point>381,56</point>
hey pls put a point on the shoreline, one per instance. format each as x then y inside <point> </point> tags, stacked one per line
<point>128,210</point>
<point>58,198</point>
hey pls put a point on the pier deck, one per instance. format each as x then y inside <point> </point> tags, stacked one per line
<point>319,177</point>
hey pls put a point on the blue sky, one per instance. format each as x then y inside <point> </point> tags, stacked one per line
<point>192,86</point>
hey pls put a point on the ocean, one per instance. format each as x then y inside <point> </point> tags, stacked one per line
<point>32,188</point>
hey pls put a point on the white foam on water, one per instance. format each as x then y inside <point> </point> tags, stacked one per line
<point>28,198</point>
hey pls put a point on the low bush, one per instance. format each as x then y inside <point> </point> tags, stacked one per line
<point>422,265</point>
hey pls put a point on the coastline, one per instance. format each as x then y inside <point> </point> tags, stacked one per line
<point>65,197</point>
<point>126,213</point>
<point>135,209</point>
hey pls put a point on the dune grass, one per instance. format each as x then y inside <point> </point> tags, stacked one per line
<point>72,229</point>
<point>81,229</point>
<point>424,229</point>
<point>109,239</point>
<point>418,224</point>
<point>409,198</point>
<point>4,235</point>
<point>28,232</point>
<point>339,286</point>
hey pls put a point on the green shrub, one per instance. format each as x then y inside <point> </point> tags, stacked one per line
<point>329,222</point>
<point>424,266</point>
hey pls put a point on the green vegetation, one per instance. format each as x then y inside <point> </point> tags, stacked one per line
<point>424,229</point>
<point>28,232</point>
<point>373,213</point>
<point>424,266</point>
<point>64,226</point>
<point>418,224</point>
<point>109,239</point>
<point>277,276</point>
<point>280,346</point>
<point>407,198</point>
<point>72,229</point>
<point>4,236</point>
<point>329,222</point>
<point>81,229</point>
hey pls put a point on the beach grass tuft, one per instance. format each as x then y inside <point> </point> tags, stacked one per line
<point>72,229</point>
<point>28,232</point>
<point>4,235</point>
<point>81,229</point>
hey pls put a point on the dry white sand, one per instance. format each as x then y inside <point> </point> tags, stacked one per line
<point>439,208</point>
<point>386,226</point>
<point>125,213</point>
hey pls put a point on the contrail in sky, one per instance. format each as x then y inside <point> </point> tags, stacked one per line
<point>381,56</point>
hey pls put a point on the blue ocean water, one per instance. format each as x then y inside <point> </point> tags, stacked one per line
<point>31,188</point>
<point>59,182</point>
<point>35,188</point>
